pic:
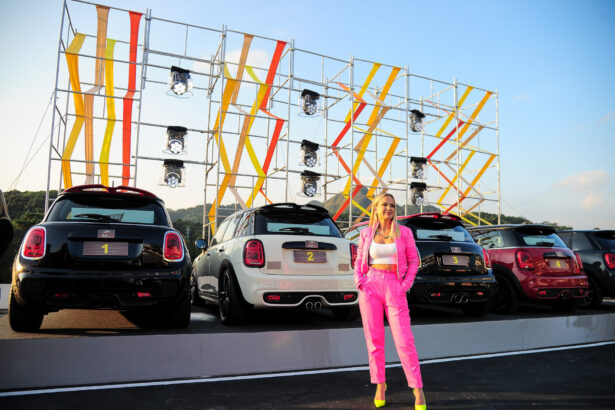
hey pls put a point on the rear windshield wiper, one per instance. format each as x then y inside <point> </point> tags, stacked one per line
<point>441,237</point>
<point>96,217</point>
<point>295,229</point>
<point>545,244</point>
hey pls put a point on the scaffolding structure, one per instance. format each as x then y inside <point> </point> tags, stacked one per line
<point>247,127</point>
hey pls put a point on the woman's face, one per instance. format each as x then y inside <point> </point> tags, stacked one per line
<point>385,209</point>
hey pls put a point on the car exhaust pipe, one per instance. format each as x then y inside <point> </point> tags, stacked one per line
<point>460,298</point>
<point>317,305</point>
<point>566,296</point>
<point>309,305</point>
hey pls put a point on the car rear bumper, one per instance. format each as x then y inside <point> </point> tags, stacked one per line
<point>452,290</point>
<point>98,290</point>
<point>295,290</point>
<point>551,288</point>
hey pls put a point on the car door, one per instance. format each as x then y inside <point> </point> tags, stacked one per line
<point>207,278</point>
<point>217,251</point>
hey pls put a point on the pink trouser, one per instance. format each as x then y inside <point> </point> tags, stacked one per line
<point>382,293</point>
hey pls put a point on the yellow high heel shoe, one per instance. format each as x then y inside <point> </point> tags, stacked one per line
<point>420,407</point>
<point>381,403</point>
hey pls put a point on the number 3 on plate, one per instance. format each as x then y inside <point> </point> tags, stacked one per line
<point>310,256</point>
<point>455,261</point>
<point>106,248</point>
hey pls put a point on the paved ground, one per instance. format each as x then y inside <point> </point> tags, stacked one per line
<point>92,323</point>
<point>577,378</point>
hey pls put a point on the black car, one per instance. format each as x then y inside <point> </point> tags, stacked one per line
<point>102,248</point>
<point>454,269</point>
<point>597,251</point>
<point>6,227</point>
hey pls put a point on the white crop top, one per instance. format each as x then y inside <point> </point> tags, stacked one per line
<point>383,254</point>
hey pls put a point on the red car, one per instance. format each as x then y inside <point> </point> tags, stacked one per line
<point>530,262</point>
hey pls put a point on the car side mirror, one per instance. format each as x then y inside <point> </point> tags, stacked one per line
<point>201,244</point>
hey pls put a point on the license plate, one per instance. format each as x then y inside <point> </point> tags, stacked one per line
<point>455,260</point>
<point>105,248</point>
<point>558,264</point>
<point>310,256</point>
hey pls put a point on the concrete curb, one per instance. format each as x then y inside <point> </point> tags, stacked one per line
<point>32,363</point>
<point>5,289</point>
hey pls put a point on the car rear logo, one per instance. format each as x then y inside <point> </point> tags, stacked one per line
<point>559,254</point>
<point>106,233</point>
<point>311,244</point>
<point>455,249</point>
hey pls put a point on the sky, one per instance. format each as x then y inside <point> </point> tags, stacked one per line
<point>551,62</point>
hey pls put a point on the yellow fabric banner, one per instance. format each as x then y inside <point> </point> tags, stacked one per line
<point>106,146</point>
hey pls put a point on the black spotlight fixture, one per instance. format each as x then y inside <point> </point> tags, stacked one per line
<point>417,167</point>
<point>175,142</point>
<point>309,102</point>
<point>173,173</point>
<point>180,82</point>
<point>417,193</point>
<point>309,153</point>
<point>309,183</point>
<point>416,120</point>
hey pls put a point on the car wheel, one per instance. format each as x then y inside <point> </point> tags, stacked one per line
<point>179,316</point>
<point>195,298</point>
<point>346,313</point>
<point>506,300</point>
<point>477,309</point>
<point>594,296</point>
<point>233,309</point>
<point>24,318</point>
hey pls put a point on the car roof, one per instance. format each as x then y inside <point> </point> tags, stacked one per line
<point>510,226</point>
<point>102,189</point>
<point>421,216</point>
<point>284,206</point>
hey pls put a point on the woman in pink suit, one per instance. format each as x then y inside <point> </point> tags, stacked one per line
<point>386,264</point>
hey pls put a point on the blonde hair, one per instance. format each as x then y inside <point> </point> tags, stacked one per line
<point>373,219</point>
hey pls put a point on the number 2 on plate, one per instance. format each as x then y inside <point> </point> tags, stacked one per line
<point>310,256</point>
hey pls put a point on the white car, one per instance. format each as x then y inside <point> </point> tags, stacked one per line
<point>279,255</point>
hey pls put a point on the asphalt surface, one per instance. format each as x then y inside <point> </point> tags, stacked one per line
<point>93,323</point>
<point>567,379</point>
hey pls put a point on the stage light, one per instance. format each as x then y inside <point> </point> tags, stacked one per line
<point>309,183</point>
<point>180,82</point>
<point>309,103</point>
<point>173,174</point>
<point>416,120</point>
<point>175,142</point>
<point>417,193</point>
<point>417,167</point>
<point>309,153</point>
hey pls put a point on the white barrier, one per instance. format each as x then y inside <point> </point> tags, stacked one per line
<point>31,363</point>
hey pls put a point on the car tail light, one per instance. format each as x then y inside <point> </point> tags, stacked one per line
<point>273,298</point>
<point>254,254</point>
<point>34,245</point>
<point>144,295</point>
<point>487,259</point>
<point>173,248</point>
<point>524,260</point>
<point>609,258</point>
<point>349,297</point>
<point>579,268</point>
<point>353,253</point>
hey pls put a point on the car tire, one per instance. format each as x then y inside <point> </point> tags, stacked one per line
<point>195,298</point>
<point>179,316</point>
<point>594,296</point>
<point>506,300</point>
<point>346,313</point>
<point>477,309</point>
<point>232,308</point>
<point>24,318</point>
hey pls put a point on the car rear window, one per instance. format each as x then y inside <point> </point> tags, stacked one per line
<point>306,223</point>
<point>438,230</point>
<point>108,209</point>
<point>538,237</point>
<point>606,239</point>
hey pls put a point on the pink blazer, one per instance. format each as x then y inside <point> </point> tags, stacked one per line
<point>407,257</point>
